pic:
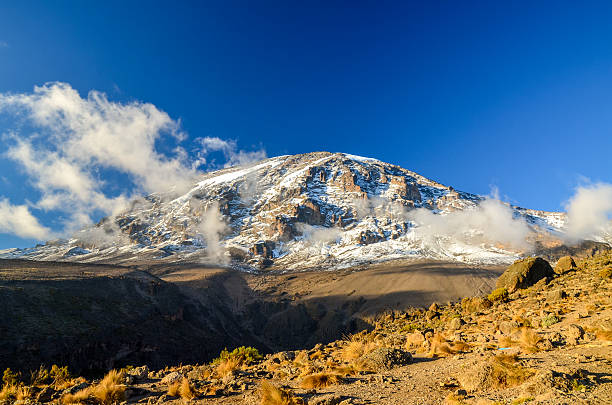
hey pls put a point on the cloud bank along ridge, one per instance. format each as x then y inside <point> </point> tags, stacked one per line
<point>62,141</point>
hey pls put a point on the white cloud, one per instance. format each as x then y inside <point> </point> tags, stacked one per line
<point>211,227</point>
<point>229,148</point>
<point>17,219</point>
<point>63,142</point>
<point>589,211</point>
<point>490,222</point>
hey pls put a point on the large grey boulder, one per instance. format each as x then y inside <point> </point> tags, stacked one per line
<point>524,273</point>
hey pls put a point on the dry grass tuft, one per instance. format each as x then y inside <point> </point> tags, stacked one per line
<point>186,390</point>
<point>320,380</point>
<point>440,346</point>
<point>454,399</point>
<point>173,389</point>
<point>8,392</point>
<point>79,397</point>
<point>507,371</point>
<point>109,390</point>
<point>357,347</point>
<point>459,346</point>
<point>23,393</point>
<point>272,395</point>
<point>529,340</point>
<point>605,335</point>
<point>228,366</point>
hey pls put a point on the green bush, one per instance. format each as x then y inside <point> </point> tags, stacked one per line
<point>244,355</point>
<point>59,374</point>
<point>550,320</point>
<point>499,294</point>
<point>10,377</point>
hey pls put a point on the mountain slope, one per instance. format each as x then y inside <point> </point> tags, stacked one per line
<point>316,210</point>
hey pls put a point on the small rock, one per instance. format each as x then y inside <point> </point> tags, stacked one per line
<point>564,264</point>
<point>574,332</point>
<point>385,358</point>
<point>507,327</point>
<point>171,377</point>
<point>455,324</point>
<point>139,373</point>
<point>556,295</point>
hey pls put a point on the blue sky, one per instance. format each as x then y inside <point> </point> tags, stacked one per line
<point>471,94</point>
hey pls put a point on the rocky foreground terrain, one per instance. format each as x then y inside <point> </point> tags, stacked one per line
<point>542,336</point>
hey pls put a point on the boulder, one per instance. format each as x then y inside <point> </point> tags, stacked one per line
<point>573,334</point>
<point>171,378</point>
<point>564,264</point>
<point>140,373</point>
<point>264,249</point>
<point>524,273</point>
<point>455,324</point>
<point>385,358</point>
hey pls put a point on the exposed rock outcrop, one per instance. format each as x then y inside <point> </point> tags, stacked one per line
<point>525,273</point>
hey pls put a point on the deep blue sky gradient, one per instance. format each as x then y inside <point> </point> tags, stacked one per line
<point>471,94</point>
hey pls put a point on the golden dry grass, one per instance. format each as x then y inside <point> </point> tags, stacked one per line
<point>508,372</point>
<point>272,395</point>
<point>79,397</point>
<point>454,399</point>
<point>605,335</point>
<point>440,346</point>
<point>23,393</point>
<point>173,389</point>
<point>8,392</point>
<point>186,390</point>
<point>227,366</point>
<point>357,347</point>
<point>108,391</point>
<point>320,380</point>
<point>529,340</point>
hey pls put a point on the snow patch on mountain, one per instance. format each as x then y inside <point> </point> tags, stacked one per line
<point>317,210</point>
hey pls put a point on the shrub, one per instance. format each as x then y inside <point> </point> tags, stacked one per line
<point>550,320</point>
<point>10,377</point>
<point>499,294</point>
<point>244,355</point>
<point>228,362</point>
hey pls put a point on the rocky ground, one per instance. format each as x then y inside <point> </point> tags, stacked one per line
<point>543,336</point>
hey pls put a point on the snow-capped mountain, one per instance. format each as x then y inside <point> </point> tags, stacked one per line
<point>315,210</point>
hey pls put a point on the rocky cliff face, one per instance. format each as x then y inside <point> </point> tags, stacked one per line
<point>316,210</point>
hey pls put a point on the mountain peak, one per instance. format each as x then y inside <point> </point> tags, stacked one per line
<point>312,210</point>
